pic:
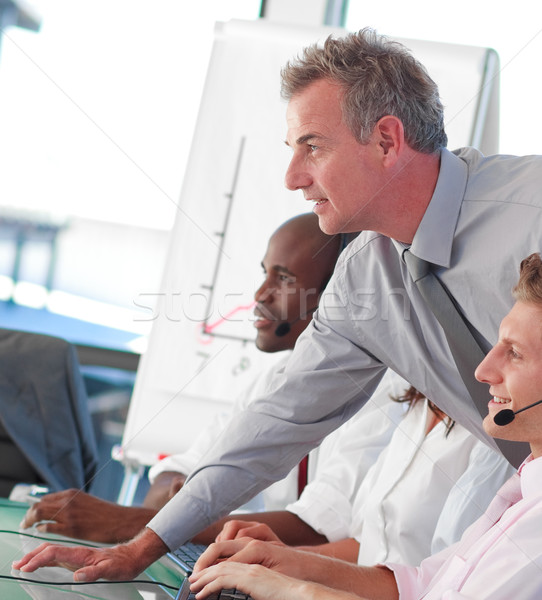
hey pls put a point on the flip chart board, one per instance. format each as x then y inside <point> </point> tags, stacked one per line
<point>201,353</point>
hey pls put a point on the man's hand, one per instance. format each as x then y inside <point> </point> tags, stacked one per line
<point>80,515</point>
<point>280,558</point>
<point>260,583</point>
<point>375,582</point>
<point>251,529</point>
<point>89,564</point>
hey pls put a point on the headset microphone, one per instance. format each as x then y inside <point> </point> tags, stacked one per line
<point>506,416</point>
<point>285,327</point>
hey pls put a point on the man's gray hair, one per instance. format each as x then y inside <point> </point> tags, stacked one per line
<point>378,77</point>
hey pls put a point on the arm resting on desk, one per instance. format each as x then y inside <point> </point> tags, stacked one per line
<point>279,525</point>
<point>125,561</point>
<point>80,515</point>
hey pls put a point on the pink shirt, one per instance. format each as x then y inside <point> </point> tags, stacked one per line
<point>498,558</point>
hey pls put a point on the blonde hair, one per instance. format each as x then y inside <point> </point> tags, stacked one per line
<point>529,286</point>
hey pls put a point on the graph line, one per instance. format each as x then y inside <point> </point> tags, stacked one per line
<point>206,327</point>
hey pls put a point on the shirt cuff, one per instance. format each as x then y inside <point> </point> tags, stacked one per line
<point>407,579</point>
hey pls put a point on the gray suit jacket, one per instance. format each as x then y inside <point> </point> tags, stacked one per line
<point>43,407</point>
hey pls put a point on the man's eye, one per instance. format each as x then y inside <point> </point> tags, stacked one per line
<point>313,148</point>
<point>286,279</point>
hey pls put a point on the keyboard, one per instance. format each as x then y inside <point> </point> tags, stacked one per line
<point>184,593</point>
<point>187,555</point>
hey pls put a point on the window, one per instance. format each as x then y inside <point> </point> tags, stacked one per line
<point>97,111</point>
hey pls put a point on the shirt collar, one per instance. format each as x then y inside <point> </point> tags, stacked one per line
<point>434,237</point>
<point>531,477</point>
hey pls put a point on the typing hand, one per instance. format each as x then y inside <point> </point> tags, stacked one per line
<point>252,529</point>
<point>280,558</point>
<point>257,581</point>
<point>260,583</point>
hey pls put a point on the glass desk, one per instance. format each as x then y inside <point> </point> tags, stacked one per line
<point>14,544</point>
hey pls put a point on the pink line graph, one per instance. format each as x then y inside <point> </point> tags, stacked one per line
<point>208,328</point>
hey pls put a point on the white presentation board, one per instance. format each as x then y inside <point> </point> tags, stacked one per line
<point>232,199</point>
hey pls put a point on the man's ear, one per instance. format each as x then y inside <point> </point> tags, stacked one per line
<point>390,137</point>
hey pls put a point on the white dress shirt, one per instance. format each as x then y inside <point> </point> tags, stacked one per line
<point>346,457</point>
<point>336,467</point>
<point>401,512</point>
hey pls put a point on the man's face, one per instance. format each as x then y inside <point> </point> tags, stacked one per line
<point>513,370</point>
<point>291,288</point>
<point>341,176</point>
